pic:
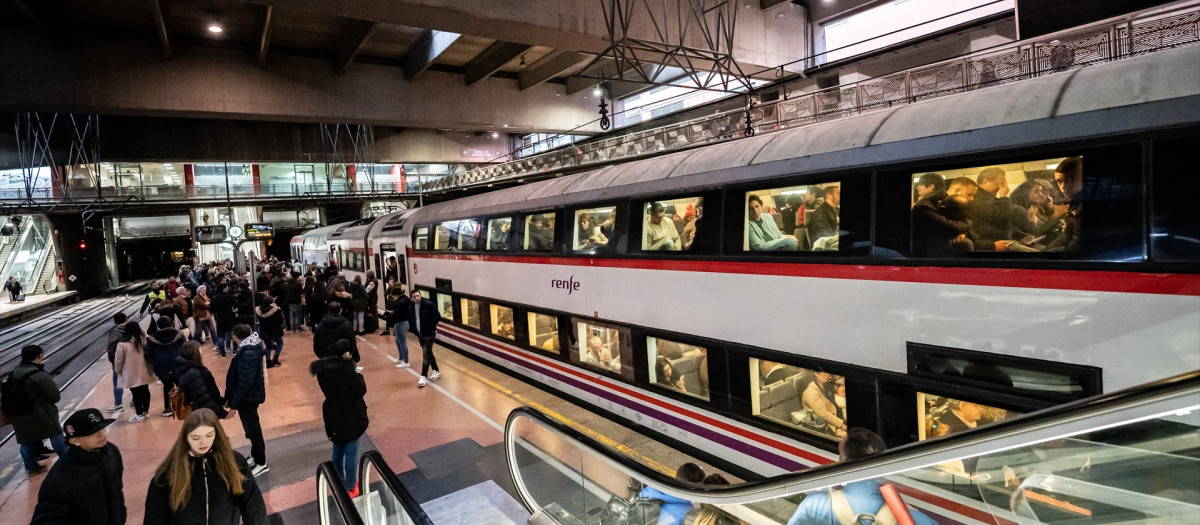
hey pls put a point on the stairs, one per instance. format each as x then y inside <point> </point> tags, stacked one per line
<point>48,274</point>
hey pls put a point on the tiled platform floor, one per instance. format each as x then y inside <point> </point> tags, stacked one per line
<point>470,402</point>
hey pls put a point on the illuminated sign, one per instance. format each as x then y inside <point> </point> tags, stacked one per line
<point>260,231</point>
<point>210,234</point>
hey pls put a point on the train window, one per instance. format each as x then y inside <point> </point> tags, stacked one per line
<point>502,321</point>
<point>1021,207</point>
<point>443,235</point>
<point>445,305</point>
<point>939,416</point>
<point>793,218</point>
<point>539,232</point>
<point>470,312</point>
<point>543,332</point>
<point>1176,224</point>
<point>498,232</point>
<point>810,400</point>
<point>670,225</point>
<point>468,234</point>
<point>603,346</point>
<point>421,238</point>
<point>678,366</point>
<point>1036,378</point>
<point>593,228</point>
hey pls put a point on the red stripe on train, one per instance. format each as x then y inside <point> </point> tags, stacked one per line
<point>1093,281</point>
<point>932,499</point>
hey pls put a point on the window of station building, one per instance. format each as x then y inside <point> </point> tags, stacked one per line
<point>421,238</point>
<point>939,416</point>
<point>445,305</point>
<point>470,312</point>
<point>498,234</point>
<point>539,232</point>
<point>502,321</point>
<point>593,228</point>
<point>794,218</point>
<point>810,400</point>
<point>678,366</point>
<point>468,234</point>
<point>602,346</point>
<point>670,225</point>
<point>1021,207</point>
<point>543,332</point>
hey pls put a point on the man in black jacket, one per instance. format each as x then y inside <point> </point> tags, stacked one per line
<point>334,327</point>
<point>223,307</point>
<point>39,418</point>
<point>84,487</point>
<point>826,219</point>
<point>423,320</point>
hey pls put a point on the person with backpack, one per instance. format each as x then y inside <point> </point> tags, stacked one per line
<point>246,389</point>
<point>115,334</point>
<point>161,349</point>
<point>270,328</point>
<point>845,505</point>
<point>14,290</point>
<point>223,308</point>
<point>133,370</point>
<point>28,396</point>
<point>84,487</point>
<point>196,382</point>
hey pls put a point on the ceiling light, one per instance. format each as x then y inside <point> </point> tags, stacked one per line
<point>495,135</point>
<point>506,125</point>
<point>214,28</point>
<point>597,91</point>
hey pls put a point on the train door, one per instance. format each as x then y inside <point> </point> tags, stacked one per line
<point>392,263</point>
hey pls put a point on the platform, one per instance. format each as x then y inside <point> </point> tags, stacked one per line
<point>444,441</point>
<point>12,312</point>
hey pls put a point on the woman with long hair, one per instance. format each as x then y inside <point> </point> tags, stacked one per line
<point>589,235</point>
<point>196,382</point>
<point>203,480</point>
<point>133,370</point>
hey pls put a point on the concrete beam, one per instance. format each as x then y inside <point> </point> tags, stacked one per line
<point>160,25</point>
<point>107,76</point>
<point>549,67</point>
<point>264,34</point>
<point>425,50</point>
<point>763,39</point>
<point>351,42</point>
<point>492,59</point>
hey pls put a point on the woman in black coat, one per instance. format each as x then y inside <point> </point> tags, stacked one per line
<point>196,382</point>
<point>344,410</point>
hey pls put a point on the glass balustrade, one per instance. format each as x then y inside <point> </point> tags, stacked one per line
<point>382,499</point>
<point>25,259</point>
<point>1130,457</point>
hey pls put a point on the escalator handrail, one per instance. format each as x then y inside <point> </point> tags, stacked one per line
<point>345,505</point>
<point>414,510</point>
<point>1141,402</point>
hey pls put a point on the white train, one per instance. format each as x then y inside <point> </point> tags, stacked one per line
<point>594,284</point>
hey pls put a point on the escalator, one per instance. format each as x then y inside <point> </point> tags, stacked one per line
<point>1128,457</point>
<point>382,499</point>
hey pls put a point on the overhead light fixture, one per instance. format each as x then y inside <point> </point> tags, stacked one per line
<point>495,135</point>
<point>215,28</point>
<point>506,125</point>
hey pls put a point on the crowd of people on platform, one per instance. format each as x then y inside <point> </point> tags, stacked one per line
<point>233,314</point>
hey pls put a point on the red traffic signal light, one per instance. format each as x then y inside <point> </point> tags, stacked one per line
<point>82,245</point>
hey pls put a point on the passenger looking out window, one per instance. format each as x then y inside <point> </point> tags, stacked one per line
<point>659,232</point>
<point>593,228</point>
<point>539,232</point>
<point>1068,175</point>
<point>502,321</point>
<point>498,234</point>
<point>763,233</point>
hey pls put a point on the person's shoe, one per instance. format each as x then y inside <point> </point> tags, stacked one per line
<point>35,471</point>
<point>403,364</point>
<point>277,363</point>
<point>167,413</point>
<point>43,451</point>
<point>385,332</point>
<point>259,470</point>
<point>271,364</point>
<point>422,382</point>
<point>353,492</point>
<point>43,459</point>
<point>435,375</point>
<point>137,417</point>
<point>116,408</point>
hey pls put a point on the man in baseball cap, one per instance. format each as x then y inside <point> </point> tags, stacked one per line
<point>84,487</point>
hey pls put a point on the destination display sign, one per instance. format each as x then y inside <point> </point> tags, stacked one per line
<point>260,231</point>
<point>210,234</point>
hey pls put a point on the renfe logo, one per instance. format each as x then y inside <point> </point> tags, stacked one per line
<point>569,285</point>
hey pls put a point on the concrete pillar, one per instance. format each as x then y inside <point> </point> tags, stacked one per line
<point>110,252</point>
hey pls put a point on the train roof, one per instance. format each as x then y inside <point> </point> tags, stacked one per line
<point>1153,91</point>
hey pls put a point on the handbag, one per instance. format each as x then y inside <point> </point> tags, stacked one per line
<point>179,405</point>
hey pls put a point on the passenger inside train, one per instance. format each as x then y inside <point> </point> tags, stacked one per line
<point>796,218</point>
<point>810,400</point>
<point>678,366</point>
<point>593,228</point>
<point>498,232</point>
<point>539,232</point>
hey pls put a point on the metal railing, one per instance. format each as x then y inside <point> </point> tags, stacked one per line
<point>1097,43</point>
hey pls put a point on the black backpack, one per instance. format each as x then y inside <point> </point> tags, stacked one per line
<point>14,397</point>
